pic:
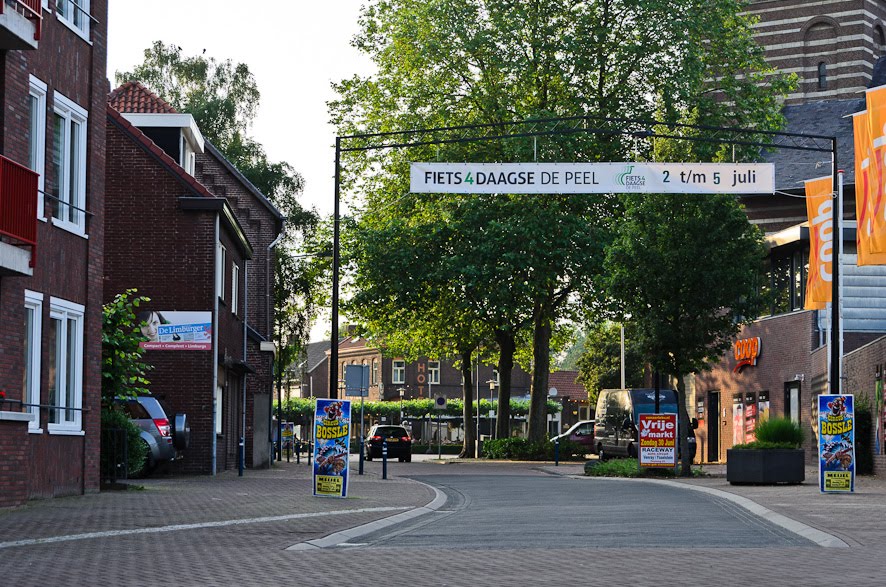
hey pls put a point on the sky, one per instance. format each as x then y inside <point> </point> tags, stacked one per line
<point>294,48</point>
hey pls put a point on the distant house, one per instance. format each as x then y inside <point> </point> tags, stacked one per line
<point>52,192</point>
<point>186,229</point>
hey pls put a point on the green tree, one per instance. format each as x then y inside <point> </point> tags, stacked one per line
<point>687,269</point>
<point>518,261</point>
<point>124,373</point>
<point>599,366</point>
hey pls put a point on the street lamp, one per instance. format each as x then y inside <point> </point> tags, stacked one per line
<point>491,383</point>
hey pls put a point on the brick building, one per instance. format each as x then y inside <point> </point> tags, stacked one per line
<point>52,189</point>
<point>780,363</point>
<point>186,229</point>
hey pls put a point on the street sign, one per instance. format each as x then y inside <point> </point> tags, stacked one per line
<point>356,380</point>
<point>440,402</point>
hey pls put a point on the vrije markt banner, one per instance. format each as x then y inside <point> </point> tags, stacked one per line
<point>332,445</point>
<point>658,440</point>
<point>836,443</point>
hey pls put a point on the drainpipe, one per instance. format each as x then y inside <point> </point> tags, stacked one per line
<point>215,345</point>
<point>242,464</point>
<point>268,306</point>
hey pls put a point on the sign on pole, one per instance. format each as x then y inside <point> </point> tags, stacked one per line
<point>658,440</point>
<point>440,402</point>
<point>836,443</point>
<point>332,445</point>
<point>356,380</point>
<point>592,178</point>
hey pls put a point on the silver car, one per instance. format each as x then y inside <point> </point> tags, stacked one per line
<point>163,437</point>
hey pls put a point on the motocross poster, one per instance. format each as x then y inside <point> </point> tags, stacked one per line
<point>836,443</point>
<point>332,445</point>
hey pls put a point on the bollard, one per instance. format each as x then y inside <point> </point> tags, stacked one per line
<point>557,453</point>
<point>384,459</point>
<point>298,452</point>
<point>360,468</point>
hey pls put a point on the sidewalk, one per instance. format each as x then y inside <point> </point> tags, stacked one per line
<point>284,490</point>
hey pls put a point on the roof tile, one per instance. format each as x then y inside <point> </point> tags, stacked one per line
<point>134,98</point>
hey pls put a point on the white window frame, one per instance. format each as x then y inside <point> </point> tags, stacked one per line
<point>235,287</point>
<point>33,354</point>
<point>222,255</point>
<point>66,311</point>
<point>219,411</point>
<point>71,197</point>
<point>187,157</point>
<point>37,138</point>
<point>495,377</point>
<point>374,372</point>
<point>398,372</point>
<point>75,19</point>
<point>434,372</point>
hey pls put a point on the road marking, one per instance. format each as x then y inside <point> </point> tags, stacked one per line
<point>343,538</point>
<point>815,535</point>
<point>196,526</point>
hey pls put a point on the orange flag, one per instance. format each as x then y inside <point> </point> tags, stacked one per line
<point>864,185</point>
<point>876,214</point>
<point>820,208</point>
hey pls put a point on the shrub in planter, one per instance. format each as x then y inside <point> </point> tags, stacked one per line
<point>520,449</point>
<point>775,457</point>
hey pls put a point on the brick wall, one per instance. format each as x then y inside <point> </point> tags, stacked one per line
<point>14,464</point>
<point>68,266</point>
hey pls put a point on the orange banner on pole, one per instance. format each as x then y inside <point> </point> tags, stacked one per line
<point>820,208</point>
<point>876,213</point>
<point>864,186</point>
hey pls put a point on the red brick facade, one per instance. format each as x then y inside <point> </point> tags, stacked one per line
<point>68,266</point>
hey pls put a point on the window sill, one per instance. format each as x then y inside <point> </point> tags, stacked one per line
<point>65,431</point>
<point>69,227</point>
<point>35,430</point>
<point>16,416</point>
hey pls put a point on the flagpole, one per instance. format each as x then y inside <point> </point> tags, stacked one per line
<point>838,280</point>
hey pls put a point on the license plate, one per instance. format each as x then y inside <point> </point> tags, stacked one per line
<point>393,440</point>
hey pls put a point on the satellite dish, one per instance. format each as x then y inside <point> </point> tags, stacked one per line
<point>552,391</point>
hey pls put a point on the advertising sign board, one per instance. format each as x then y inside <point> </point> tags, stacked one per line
<point>592,178</point>
<point>658,440</point>
<point>836,443</point>
<point>176,331</point>
<point>332,445</point>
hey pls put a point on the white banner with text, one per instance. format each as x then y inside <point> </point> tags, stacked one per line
<point>592,178</point>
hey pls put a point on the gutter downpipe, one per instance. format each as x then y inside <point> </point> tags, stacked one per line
<point>213,465</point>
<point>242,463</point>
<point>270,285</point>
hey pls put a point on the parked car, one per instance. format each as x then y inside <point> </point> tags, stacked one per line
<point>582,432</point>
<point>618,416</point>
<point>398,439</point>
<point>163,437</point>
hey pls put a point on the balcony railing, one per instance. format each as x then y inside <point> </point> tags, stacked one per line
<point>18,203</point>
<point>32,9</point>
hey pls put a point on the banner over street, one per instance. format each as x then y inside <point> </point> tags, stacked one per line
<point>592,178</point>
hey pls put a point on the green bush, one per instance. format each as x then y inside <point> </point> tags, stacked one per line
<point>136,449</point>
<point>520,449</point>
<point>764,445</point>
<point>780,431</point>
<point>629,468</point>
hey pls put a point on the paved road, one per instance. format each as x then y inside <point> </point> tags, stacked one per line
<point>505,512</point>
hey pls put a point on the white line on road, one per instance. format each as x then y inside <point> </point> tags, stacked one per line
<point>196,526</point>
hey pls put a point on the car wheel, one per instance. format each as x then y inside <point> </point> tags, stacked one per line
<point>408,458</point>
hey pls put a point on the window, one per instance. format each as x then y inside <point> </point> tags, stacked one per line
<point>65,339</point>
<point>67,179</point>
<point>495,376</point>
<point>221,258</point>
<point>219,400</point>
<point>235,287</point>
<point>822,76</point>
<point>37,136</point>
<point>187,157</point>
<point>75,14</point>
<point>374,371</point>
<point>31,372</point>
<point>787,281</point>
<point>434,372</point>
<point>399,372</point>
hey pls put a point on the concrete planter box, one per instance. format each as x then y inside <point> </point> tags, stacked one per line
<point>766,467</point>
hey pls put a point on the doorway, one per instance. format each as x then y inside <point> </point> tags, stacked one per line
<point>792,401</point>
<point>713,426</point>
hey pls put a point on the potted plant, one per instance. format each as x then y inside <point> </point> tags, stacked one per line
<point>775,457</point>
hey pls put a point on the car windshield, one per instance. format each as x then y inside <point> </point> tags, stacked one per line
<point>391,431</point>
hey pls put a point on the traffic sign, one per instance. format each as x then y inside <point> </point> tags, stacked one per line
<point>440,402</point>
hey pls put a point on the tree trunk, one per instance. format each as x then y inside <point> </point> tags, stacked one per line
<point>467,371</point>
<point>507,345</point>
<point>541,360</point>
<point>683,428</point>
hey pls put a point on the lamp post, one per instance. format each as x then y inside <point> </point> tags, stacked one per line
<point>491,383</point>
<point>402,393</point>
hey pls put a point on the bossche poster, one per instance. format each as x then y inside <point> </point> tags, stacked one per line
<point>836,443</point>
<point>332,444</point>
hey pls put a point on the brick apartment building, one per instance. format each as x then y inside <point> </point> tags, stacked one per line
<point>186,229</point>
<point>837,49</point>
<point>52,189</point>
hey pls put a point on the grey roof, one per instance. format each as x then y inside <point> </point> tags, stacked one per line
<point>316,354</point>
<point>831,118</point>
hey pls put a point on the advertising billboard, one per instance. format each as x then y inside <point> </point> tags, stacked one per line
<point>176,331</point>
<point>658,440</point>
<point>836,443</point>
<point>332,445</point>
